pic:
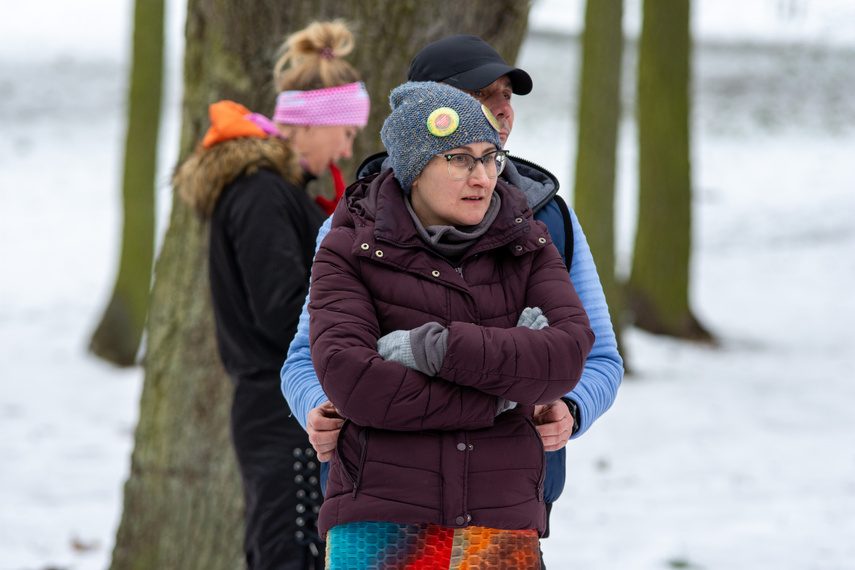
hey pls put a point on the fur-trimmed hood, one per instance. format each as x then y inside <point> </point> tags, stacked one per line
<point>200,179</point>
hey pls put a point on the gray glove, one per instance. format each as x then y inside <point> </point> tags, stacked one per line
<point>422,348</point>
<point>505,405</point>
<point>395,346</point>
<point>533,318</point>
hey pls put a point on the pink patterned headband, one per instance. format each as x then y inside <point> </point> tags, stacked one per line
<point>342,105</point>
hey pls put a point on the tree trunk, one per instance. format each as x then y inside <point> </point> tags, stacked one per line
<point>599,118</point>
<point>117,337</point>
<point>658,289</point>
<point>183,503</point>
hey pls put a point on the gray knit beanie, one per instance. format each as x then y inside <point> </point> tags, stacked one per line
<point>430,118</point>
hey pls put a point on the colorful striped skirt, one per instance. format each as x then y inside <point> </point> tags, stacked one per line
<point>387,546</point>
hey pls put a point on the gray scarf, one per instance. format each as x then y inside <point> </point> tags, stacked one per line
<point>452,241</point>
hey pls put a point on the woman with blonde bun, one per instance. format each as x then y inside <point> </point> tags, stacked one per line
<point>248,177</point>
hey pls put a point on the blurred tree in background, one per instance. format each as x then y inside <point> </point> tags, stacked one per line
<point>596,158</point>
<point>117,337</point>
<point>182,500</point>
<point>658,288</point>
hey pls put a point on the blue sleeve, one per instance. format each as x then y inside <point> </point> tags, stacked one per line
<point>300,384</point>
<point>603,372</point>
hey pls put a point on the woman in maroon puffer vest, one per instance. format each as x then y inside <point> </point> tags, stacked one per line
<point>440,316</point>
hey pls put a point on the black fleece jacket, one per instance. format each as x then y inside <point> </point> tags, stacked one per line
<point>262,243</point>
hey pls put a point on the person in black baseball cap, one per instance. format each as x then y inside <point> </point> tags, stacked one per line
<point>466,62</point>
<point>472,65</point>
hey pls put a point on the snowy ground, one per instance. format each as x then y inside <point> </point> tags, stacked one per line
<point>736,457</point>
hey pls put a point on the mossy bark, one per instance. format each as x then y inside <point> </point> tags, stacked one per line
<point>117,336</point>
<point>596,159</point>
<point>659,284</point>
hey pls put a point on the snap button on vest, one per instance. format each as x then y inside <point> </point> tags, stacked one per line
<point>518,220</point>
<point>460,520</point>
<point>461,447</point>
<point>365,246</point>
<point>435,273</point>
<point>378,253</point>
<point>542,240</point>
<point>518,247</point>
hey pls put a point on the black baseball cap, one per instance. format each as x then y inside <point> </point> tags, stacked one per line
<point>466,62</point>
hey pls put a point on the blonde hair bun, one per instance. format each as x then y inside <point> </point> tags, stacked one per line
<point>312,58</point>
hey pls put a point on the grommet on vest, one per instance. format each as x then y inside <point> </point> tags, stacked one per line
<point>306,476</point>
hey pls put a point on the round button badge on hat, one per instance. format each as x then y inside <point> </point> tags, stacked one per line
<point>443,121</point>
<point>491,118</point>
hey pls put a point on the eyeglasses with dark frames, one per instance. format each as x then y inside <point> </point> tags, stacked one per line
<point>461,164</point>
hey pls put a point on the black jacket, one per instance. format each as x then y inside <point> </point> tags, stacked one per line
<point>263,228</point>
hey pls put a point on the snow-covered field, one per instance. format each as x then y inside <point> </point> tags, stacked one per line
<point>735,457</point>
